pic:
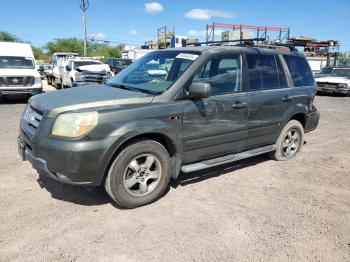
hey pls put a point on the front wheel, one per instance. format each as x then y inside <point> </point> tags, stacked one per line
<point>139,175</point>
<point>290,141</point>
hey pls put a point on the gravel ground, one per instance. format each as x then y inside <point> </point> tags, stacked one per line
<point>253,210</point>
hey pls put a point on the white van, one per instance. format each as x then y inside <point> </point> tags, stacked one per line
<point>18,74</point>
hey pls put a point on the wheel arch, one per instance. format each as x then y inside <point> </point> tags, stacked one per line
<point>161,138</point>
<point>301,117</point>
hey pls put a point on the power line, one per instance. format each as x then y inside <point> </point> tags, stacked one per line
<point>116,41</point>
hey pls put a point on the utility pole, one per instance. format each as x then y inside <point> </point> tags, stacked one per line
<point>84,5</point>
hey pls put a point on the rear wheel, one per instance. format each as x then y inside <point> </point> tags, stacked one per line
<point>139,175</point>
<point>290,141</point>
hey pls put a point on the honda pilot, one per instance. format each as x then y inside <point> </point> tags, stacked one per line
<point>172,111</point>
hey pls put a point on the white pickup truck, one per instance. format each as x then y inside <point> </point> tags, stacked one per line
<point>83,71</point>
<point>18,73</point>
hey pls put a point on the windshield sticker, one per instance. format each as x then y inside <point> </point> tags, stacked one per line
<point>187,56</point>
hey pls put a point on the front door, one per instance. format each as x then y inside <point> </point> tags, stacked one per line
<point>216,125</point>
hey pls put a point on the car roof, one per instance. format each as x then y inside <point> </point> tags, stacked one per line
<point>243,49</point>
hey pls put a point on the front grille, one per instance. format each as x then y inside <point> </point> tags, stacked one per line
<point>92,77</point>
<point>327,85</point>
<point>2,81</point>
<point>14,81</point>
<point>32,117</point>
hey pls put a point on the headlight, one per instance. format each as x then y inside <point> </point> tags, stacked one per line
<point>74,124</point>
<point>37,80</point>
<point>341,85</point>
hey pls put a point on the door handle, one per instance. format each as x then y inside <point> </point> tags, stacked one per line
<point>287,98</point>
<point>239,105</point>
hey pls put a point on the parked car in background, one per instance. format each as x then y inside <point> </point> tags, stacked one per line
<point>83,71</point>
<point>213,105</point>
<point>44,69</point>
<point>47,69</point>
<point>334,80</point>
<point>59,61</point>
<point>18,73</point>
<point>118,64</point>
<point>329,70</point>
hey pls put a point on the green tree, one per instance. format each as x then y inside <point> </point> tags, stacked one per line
<point>39,54</point>
<point>105,50</point>
<point>65,45</point>
<point>8,37</point>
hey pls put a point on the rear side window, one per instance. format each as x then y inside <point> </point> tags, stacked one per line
<point>299,70</point>
<point>265,72</point>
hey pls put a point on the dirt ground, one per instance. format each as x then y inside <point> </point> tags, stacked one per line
<point>253,210</point>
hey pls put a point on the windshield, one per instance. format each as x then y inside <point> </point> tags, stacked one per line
<point>342,72</point>
<point>84,63</point>
<point>155,72</point>
<point>123,62</point>
<point>326,70</point>
<point>16,62</point>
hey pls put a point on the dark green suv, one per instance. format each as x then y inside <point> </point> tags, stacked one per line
<point>172,110</point>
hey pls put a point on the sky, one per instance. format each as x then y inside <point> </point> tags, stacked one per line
<point>135,21</point>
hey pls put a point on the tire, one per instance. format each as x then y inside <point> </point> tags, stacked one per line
<point>290,142</point>
<point>139,175</point>
<point>56,84</point>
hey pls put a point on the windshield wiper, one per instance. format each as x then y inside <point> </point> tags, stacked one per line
<point>135,89</point>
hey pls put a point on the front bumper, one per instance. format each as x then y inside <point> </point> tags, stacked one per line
<point>312,120</point>
<point>40,165</point>
<point>86,83</point>
<point>17,91</point>
<point>75,162</point>
<point>329,90</point>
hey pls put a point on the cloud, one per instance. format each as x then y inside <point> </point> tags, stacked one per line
<point>207,14</point>
<point>153,7</point>
<point>98,35</point>
<point>133,32</point>
<point>199,33</point>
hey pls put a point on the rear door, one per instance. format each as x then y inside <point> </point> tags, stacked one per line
<point>271,101</point>
<point>216,125</point>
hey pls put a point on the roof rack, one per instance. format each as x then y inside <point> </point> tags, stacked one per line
<point>250,43</point>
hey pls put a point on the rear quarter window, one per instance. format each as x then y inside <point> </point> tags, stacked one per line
<point>299,70</point>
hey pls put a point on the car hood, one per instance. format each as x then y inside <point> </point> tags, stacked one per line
<point>93,68</point>
<point>333,79</point>
<point>93,96</point>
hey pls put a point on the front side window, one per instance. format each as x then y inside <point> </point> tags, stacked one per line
<point>265,72</point>
<point>155,72</point>
<point>299,70</point>
<point>16,62</point>
<point>223,73</point>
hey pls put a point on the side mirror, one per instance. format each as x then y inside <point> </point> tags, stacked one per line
<point>68,68</point>
<point>199,90</point>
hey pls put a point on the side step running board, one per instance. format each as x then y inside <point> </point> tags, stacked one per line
<point>227,159</point>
